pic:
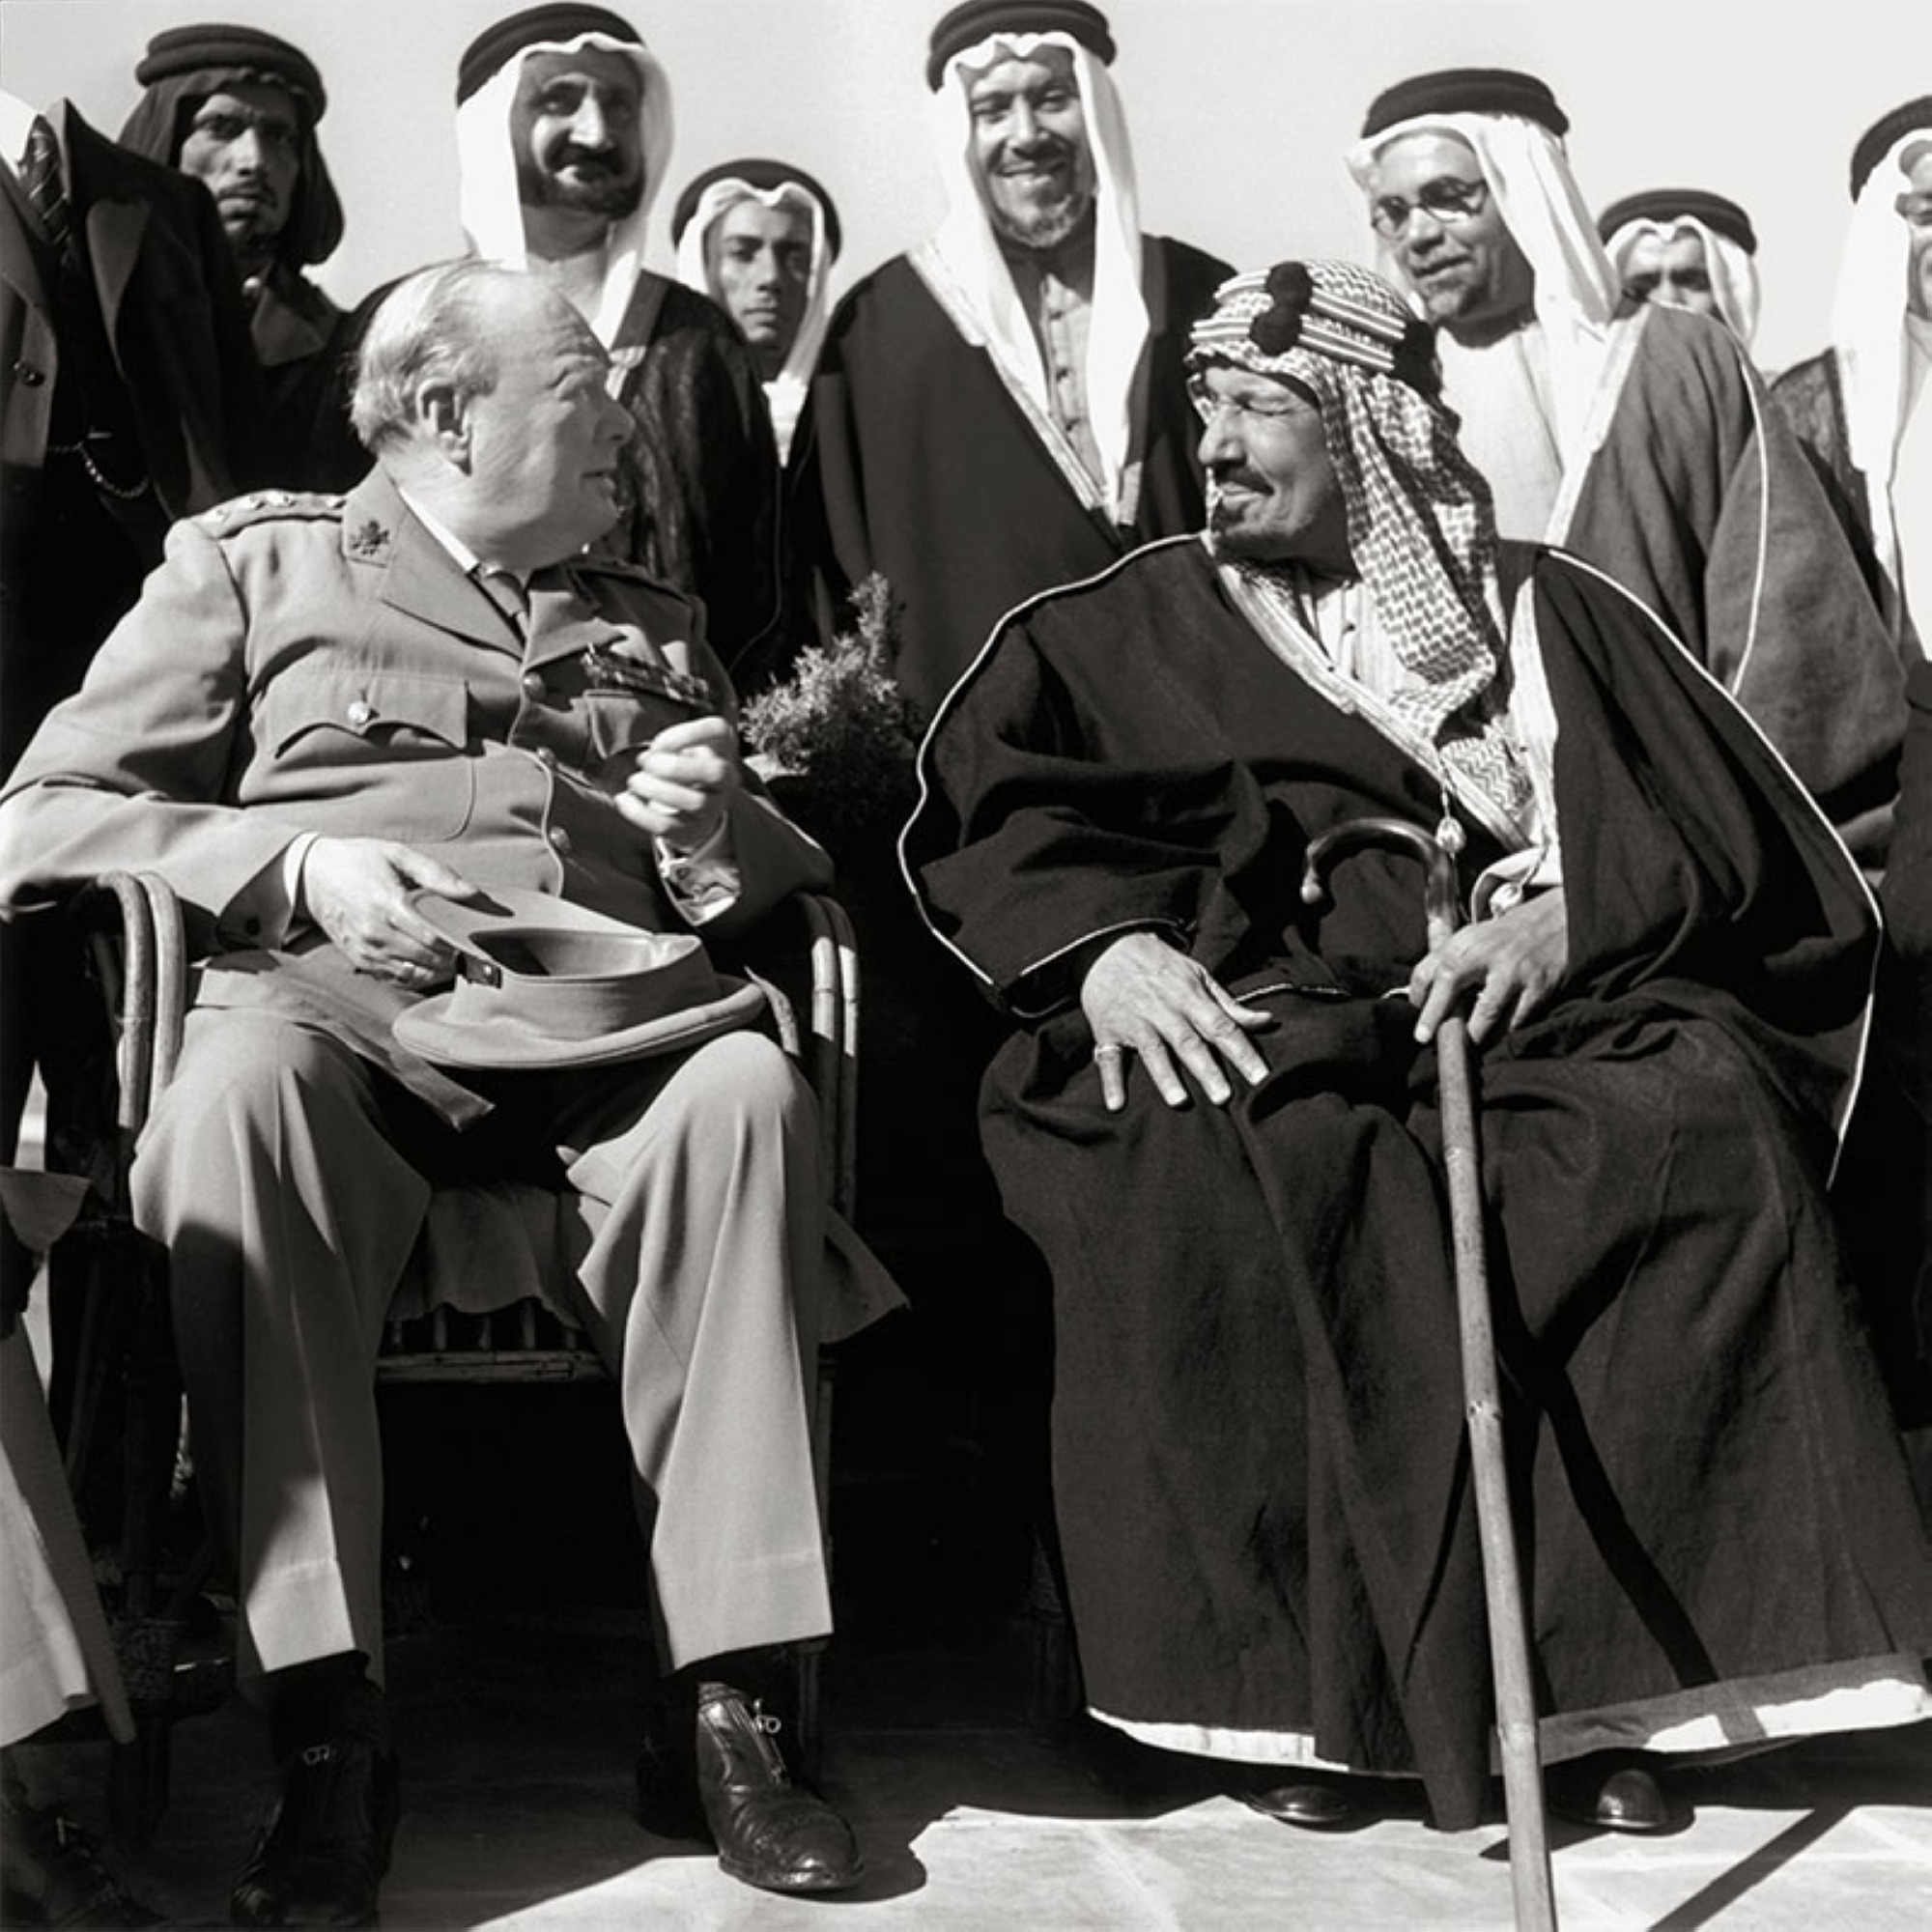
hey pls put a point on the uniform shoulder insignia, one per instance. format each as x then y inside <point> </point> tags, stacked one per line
<point>369,540</point>
<point>260,507</point>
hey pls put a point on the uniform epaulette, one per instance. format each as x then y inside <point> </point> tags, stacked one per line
<point>238,513</point>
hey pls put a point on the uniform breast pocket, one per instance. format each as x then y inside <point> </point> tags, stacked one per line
<point>371,754</point>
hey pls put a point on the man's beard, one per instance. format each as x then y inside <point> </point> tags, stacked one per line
<point>1044,227</point>
<point>1040,223</point>
<point>1230,538</point>
<point>614,195</point>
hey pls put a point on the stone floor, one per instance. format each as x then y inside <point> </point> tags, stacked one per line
<point>516,1741</point>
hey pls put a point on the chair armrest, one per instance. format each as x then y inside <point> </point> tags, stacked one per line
<point>112,1045</point>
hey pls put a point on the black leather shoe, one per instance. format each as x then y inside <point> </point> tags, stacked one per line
<point>769,1832</point>
<point>1310,1803</point>
<point>322,1854</point>
<point>1613,1791</point>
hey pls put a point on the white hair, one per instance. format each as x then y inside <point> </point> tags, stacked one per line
<point>431,325</point>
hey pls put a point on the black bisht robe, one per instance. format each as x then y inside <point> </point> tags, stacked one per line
<point>1260,1459</point>
<point>912,458</point>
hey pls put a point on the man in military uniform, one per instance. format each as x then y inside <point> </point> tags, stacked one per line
<point>320,709</point>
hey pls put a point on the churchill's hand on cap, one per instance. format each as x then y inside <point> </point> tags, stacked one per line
<point>356,890</point>
<point>683,783</point>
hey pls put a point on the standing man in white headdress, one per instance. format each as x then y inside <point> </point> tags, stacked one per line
<point>1002,409</point>
<point>1635,436</point>
<point>759,238</point>
<point>1860,405</point>
<point>1684,247</point>
<point>563,130</point>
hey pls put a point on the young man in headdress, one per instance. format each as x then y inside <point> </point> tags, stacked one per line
<point>1860,405</point>
<point>759,238</point>
<point>1634,435</point>
<point>1683,248</point>
<point>236,109</point>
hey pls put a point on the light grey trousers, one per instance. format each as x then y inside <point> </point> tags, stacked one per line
<point>272,1172</point>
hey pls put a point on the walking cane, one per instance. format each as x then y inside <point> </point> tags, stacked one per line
<point>1502,1577</point>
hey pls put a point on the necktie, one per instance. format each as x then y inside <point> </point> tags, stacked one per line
<point>509,597</point>
<point>45,188</point>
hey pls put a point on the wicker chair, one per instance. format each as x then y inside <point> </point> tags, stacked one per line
<point>109,1050</point>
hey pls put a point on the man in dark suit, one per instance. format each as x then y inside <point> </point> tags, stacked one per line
<point>130,399</point>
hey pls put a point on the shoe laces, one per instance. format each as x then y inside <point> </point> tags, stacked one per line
<point>767,1727</point>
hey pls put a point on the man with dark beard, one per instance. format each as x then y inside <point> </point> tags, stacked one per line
<point>1002,409</point>
<point>563,133</point>
<point>236,109</point>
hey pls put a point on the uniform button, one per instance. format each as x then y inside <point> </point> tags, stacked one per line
<point>361,713</point>
<point>535,688</point>
<point>545,757</point>
<point>559,840</point>
<point>29,376</point>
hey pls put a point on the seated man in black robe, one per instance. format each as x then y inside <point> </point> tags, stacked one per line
<point>1217,1115</point>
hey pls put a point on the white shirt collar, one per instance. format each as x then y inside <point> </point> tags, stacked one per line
<point>465,558</point>
<point>16,118</point>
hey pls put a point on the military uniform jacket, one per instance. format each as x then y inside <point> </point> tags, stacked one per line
<point>320,664</point>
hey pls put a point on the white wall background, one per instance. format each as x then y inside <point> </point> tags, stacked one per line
<point>1240,109</point>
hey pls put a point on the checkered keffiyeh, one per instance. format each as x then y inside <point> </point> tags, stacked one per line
<point>1420,520</point>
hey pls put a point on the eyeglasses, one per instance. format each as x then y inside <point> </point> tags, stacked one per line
<point>1446,200</point>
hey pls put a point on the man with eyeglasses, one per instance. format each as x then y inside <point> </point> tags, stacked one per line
<point>236,109</point>
<point>1635,436</point>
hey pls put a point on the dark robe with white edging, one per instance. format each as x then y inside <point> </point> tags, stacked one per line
<point>1259,1461</point>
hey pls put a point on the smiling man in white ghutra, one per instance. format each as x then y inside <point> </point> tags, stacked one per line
<point>1218,1118</point>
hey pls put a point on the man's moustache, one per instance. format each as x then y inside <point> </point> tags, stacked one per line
<point>600,160</point>
<point>1034,159</point>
